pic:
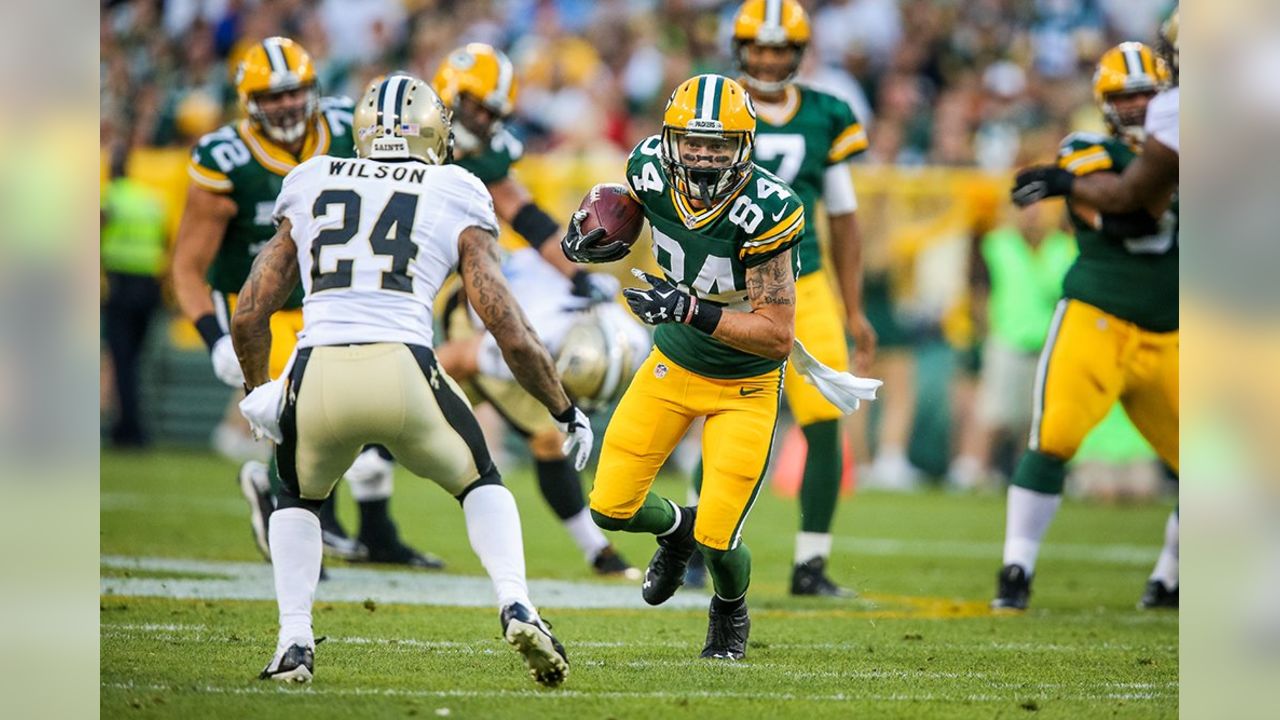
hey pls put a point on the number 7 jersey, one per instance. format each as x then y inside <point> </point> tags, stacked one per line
<point>376,240</point>
<point>708,252</point>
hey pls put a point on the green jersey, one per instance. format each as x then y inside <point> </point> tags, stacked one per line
<point>1135,279</point>
<point>239,162</point>
<point>707,252</point>
<point>815,131</point>
<point>493,163</point>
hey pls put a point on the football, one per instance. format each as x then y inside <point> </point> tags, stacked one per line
<point>610,206</point>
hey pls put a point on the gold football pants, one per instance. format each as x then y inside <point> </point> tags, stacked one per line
<point>285,326</point>
<point>654,414</point>
<point>1090,360</point>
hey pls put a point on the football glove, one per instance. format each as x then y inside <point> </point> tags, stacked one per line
<point>1038,182</point>
<point>225,363</point>
<point>577,429</point>
<point>661,303</point>
<point>596,287</point>
<point>587,248</point>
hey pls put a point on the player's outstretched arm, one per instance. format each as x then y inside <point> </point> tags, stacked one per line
<point>272,279</point>
<point>204,221</point>
<point>515,206</point>
<point>769,330</point>
<point>489,294</point>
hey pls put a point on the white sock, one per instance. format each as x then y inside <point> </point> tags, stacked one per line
<point>585,533</point>
<point>370,476</point>
<point>1167,565</point>
<point>493,525</point>
<point>810,545</point>
<point>1027,517</point>
<point>294,536</point>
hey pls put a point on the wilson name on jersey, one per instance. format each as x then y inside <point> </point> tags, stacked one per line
<point>376,240</point>
<point>1135,279</point>
<point>707,252</point>
<point>239,162</point>
<point>815,130</point>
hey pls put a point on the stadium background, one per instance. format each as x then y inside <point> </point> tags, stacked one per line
<point>954,94</point>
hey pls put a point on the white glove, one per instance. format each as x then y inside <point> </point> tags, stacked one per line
<point>225,363</point>
<point>262,408</point>
<point>842,389</point>
<point>577,428</point>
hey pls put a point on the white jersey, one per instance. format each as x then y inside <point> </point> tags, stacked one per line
<point>1162,118</point>
<point>376,240</point>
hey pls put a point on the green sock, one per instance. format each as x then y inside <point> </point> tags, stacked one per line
<point>655,516</point>
<point>1040,472</point>
<point>730,570</point>
<point>820,489</point>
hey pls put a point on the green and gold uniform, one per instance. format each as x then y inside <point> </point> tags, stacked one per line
<point>493,163</point>
<point>1114,334</point>
<point>238,161</point>
<point>690,374</point>
<point>814,130</point>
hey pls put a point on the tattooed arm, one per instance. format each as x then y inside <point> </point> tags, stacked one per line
<point>272,279</point>
<point>488,293</point>
<point>770,328</point>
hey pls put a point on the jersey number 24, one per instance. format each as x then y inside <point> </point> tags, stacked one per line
<point>392,236</point>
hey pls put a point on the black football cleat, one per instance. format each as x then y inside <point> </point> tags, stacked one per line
<point>401,554</point>
<point>294,664</point>
<point>665,573</point>
<point>727,633</point>
<point>610,563</point>
<point>1013,588</point>
<point>1159,596</point>
<point>810,578</point>
<point>531,637</point>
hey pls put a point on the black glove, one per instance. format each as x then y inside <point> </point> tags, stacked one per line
<point>664,302</point>
<point>587,248</point>
<point>1038,182</point>
<point>595,287</point>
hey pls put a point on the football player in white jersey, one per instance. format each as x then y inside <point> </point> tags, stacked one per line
<point>372,239</point>
<point>1146,188</point>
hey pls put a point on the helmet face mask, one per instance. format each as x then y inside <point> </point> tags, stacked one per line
<point>708,132</point>
<point>1126,114</point>
<point>768,68</point>
<point>474,122</point>
<point>1128,76</point>
<point>283,115</point>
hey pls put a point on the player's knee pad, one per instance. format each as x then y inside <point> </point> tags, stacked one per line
<point>491,476</point>
<point>370,476</point>
<point>604,522</point>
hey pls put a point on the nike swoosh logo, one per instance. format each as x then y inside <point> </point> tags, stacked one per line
<point>745,391</point>
<point>781,212</point>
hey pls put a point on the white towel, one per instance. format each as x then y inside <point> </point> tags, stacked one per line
<point>262,406</point>
<point>842,389</point>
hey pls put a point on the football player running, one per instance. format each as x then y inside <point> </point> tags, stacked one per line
<point>477,83</point>
<point>1114,335</point>
<point>236,173</point>
<point>807,137</point>
<point>372,240</point>
<point>723,234</point>
<point>1147,185</point>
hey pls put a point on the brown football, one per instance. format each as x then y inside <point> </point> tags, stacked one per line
<point>611,207</point>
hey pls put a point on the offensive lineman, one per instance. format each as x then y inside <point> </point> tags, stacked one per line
<point>236,173</point>
<point>1114,335</point>
<point>723,233</point>
<point>372,240</point>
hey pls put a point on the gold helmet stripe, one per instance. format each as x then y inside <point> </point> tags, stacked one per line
<point>275,55</point>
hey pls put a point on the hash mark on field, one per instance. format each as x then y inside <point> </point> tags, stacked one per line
<point>611,694</point>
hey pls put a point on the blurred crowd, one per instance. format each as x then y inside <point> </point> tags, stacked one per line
<point>938,81</point>
<point>981,86</point>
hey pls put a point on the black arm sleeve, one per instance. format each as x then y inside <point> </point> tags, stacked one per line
<point>534,225</point>
<point>1138,223</point>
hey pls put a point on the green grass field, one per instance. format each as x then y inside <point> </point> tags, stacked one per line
<point>918,642</point>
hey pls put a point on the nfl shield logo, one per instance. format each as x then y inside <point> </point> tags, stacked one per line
<point>660,371</point>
